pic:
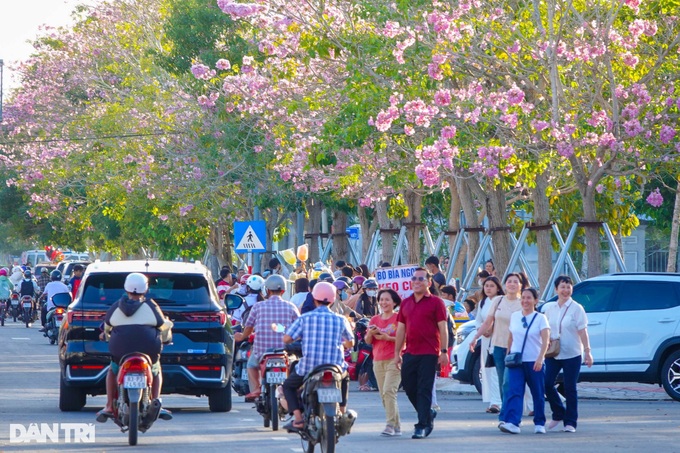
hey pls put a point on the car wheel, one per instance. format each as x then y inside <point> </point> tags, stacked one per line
<point>670,375</point>
<point>219,400</point>
<point>477,374</point>
<point>71,399</point>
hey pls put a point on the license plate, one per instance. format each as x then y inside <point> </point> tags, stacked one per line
<point>27,305</point>
<point>331,395</point>
<point>244,374</point>
<point>134,381</point>
<point>276,377</point>
<point>57,322</point>
<point>15,303</point>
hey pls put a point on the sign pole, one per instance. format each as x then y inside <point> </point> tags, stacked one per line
<point>257,264</point>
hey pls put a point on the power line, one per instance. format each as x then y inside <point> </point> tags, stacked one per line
<point>102,137</point>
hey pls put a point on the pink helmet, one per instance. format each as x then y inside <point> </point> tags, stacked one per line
<point>324,292</point>
<point>3,271</point>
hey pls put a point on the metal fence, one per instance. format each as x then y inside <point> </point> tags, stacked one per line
<point>656,261</point>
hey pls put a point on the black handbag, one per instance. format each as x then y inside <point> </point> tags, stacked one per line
<point>514,359</point>
<point>489,362</point>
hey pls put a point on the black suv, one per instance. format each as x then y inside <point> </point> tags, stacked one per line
<point>197,362</point>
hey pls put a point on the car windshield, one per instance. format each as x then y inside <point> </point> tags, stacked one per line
<point>166,289</point>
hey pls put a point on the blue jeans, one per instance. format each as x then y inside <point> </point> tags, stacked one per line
<point>571,368</point>
<point>499,358</point>
<point>513,400</point>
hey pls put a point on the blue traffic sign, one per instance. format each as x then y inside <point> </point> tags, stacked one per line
<point>250,236</point>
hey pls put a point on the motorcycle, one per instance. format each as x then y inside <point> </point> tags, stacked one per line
<point>14,302</point>
<point>274,370</point>
<point>239,374</point>
<point>133,408</point>
<point>27,306</point>
<point>3,311</point>
<point>360,361</point>
<point>55,316</point>
<point>320,396</point>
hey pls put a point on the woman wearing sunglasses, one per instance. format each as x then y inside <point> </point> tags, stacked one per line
<point>529,336</point>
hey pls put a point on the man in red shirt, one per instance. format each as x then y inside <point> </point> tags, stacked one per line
<point>422,324</point>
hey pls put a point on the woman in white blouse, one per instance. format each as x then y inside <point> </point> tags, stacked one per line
<point>490,390</point>
<point>568,322</point>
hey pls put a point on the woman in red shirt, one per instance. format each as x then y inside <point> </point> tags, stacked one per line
<point>381,334</point>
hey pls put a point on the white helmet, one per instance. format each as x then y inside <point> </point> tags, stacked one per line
<point>255,282</point>
<point>136,283</point>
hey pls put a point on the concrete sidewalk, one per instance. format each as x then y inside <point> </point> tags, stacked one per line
<point>586,390</point>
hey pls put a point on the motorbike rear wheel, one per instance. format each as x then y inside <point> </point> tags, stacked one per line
<point>134,423</point>
<point>27,317</point>
<point>274,406</point>
<point>327,436</point>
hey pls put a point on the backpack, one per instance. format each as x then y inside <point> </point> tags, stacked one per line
<point>27,288</point>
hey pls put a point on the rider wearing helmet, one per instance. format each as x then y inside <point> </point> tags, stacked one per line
<point>253,294</point>
<point>273,310</point>
<point>367,304</point>
<point>28,287</point>
<point>6,285</point>
<point>325,336</point>
<point>135,324</point>
<point>55,286</point>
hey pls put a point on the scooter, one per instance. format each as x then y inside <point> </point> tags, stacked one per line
<point>14,310</point>
<point>55,316</point>
<point>27,305</point>
<point>320,396</point>
<point>239,375</point>
<point>274,370</point>
<point>133,408</point>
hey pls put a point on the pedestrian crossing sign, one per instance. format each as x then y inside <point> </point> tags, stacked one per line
<point>250,236</point>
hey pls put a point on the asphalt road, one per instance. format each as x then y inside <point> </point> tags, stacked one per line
<point>29,389</point>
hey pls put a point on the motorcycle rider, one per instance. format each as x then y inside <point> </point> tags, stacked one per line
<point>135,324</point>
<point>55,286</point>
<point>273,310</point>
<point>16,277</point>
<point>254,285</point>
<point>28,287</point>
<point>5,288</point>
<point>77,277</point>
<point>325,335</point>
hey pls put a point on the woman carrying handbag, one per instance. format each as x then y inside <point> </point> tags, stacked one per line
<point>529,338</point>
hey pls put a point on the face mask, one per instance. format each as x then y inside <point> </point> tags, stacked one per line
<point>371,293</point>
<point>448,303</point>
<point>343,296</point>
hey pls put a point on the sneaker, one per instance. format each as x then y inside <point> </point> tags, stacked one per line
<point>539,429</point>
<point>509,428</point>
<point>397,431</point>
<point>388,431</point>
<point>553,425</point>
<point>418,433</point>
<point>436,407</point>
<point>569,429</point>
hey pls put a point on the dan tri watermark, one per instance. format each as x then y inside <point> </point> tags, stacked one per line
<point>51,432</point>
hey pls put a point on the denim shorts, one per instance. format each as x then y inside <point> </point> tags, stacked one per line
<point>155,368</point>
<point>253,361</point>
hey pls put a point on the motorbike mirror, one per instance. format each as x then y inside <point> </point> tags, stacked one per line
<point>62,299</point>
<point>278,328</point>
<point>233,301</point>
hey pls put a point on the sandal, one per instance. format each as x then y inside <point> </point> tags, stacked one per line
<point>103,415</point>
<point>493,409</point>
<point>294,425</point>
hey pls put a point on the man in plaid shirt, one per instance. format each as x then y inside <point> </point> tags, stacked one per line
<point>274,310</point>
<point>325,335</point>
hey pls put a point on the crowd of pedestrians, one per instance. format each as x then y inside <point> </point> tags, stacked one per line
<point>411,339</point>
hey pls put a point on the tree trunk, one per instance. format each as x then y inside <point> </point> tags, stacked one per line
<point>542,217</point>
<point>339,235</point>
<point>385,224</point>
<point>675,226</point>
<point>414,205</point>
<point>313,228</point>
<point>454,225</point>
<point>500,237</point>
<point>469,190</point>
<point>593,260</point>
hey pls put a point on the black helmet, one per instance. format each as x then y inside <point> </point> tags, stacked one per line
<point>55,275</point>
<point>346,280</point>
<point>370,283</point>
<point>326,277</point>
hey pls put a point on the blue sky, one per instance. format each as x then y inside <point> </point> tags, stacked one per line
<point>20,21</point>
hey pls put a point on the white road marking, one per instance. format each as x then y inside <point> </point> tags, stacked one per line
<point>281,438</point>
<point>20,338</point>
